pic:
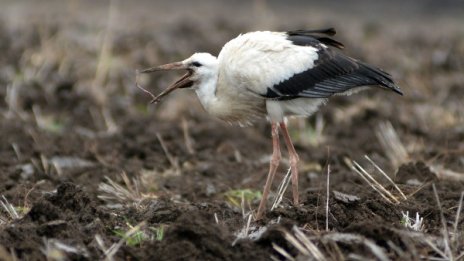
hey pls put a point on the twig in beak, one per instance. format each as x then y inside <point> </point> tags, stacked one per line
<point>137,73</point>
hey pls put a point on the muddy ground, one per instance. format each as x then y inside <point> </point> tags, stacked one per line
<point>89,171</point>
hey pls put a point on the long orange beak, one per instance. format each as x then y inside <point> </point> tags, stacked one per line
<point>183,82</point>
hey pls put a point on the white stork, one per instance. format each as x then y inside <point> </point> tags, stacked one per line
<point>274,75</point>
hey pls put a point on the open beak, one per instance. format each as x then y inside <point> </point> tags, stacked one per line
<point>183,82</point>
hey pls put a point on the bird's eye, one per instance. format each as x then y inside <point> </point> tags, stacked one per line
<point>196,64</point>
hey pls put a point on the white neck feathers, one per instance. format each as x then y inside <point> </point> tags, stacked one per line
<point>206,90</point>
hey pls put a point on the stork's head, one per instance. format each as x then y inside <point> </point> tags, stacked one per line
<point>200,67</point>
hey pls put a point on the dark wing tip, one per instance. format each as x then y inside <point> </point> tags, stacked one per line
<point>397,90</point>
<point>383,78</point>
<point>327,31</point>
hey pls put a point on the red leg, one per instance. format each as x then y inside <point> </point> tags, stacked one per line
<point>293,162</point>
<point>275,160</point>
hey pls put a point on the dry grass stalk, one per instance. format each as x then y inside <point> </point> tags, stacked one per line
<point>308,244</point>
<point>39,119</point>
<point>419,188</point>
<point>17,151</point>
<point>101,243</point>
<point>436,249</point>
<point>247,229</point>
<point>104,58</point>
<point>327,201</point>
<point>304,246</point>
<point>111,126</point>
<point>283,252</point>
<point>98,89</point>
<point>113,249</point>
<point>456,234</point>
<point>187,137</point>
<point>12,100</point>
<point>387,195</point>
<point>9,208</point>
<point>56,250</point>
<point>438,245</point>
<point>281,190</point>
<point>309,251</point>
<point>386,176</point>
<point>446,174</point>
<point>244,232</point>
<point>448,252</point>
<point>357,239</point>
<point>45,164</point>
<point>242,204</point>
<point>391,144</point>
<point>42,165</point>
<point>7,255</point>
<point>113,193</point>
<point>172,160</point>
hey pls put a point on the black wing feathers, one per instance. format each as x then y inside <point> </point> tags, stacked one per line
<point>329,31</point>
<point>311,37</point>
<point>332,72</point>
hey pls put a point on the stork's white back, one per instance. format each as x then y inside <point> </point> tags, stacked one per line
<point>258,60</point>
<point>253,62</point>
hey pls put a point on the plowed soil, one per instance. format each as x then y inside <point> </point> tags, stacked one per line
<point>89,171</point>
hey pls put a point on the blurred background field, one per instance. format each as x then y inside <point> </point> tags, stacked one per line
<point>95,47</point>
<point>72,118</point>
